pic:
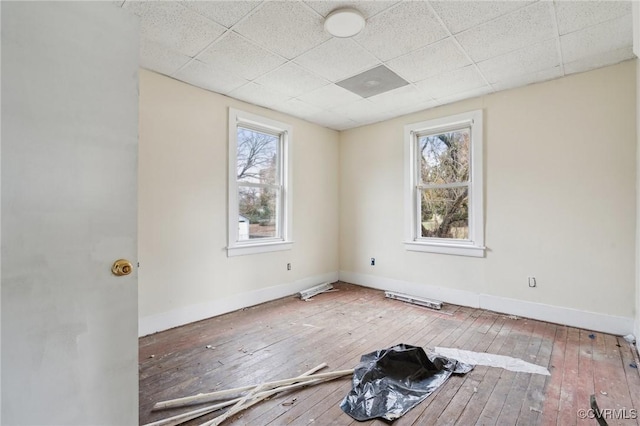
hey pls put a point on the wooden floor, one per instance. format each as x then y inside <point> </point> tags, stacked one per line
<point>284,338</point>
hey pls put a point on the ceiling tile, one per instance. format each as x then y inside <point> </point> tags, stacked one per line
<point>462,15</point>
<point>287,28</point>
<point>434,59</point>
<point>297,108</point>
<point>360,111</point>
<point>451,83</point>
<point>401,29</point>
<point>473,93</point>
<point>534,58</point>
<point>155,57</point>
<point>415,107</point>
<point>291,80</point>
<point>601,38</point>
<point>574,16</point>
<point>510,32</point>
<point>209,77</point>
<point>599,60</point>
<point>334,121</point>
<point>258,95</point>
<point>402,97</point>
<point>337,58</point>
<point>329,96</point>
<point>523,80</point>
<point>239,56</point>
<point>175,26</point>
<point>367,8</point>
<point>226,13</point>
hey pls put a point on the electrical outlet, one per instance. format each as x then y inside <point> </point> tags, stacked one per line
<point>288,266</point>
<point>373,261</point>
<point>532,281</point>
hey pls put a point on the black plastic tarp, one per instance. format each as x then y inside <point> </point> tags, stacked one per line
<point>389,382</point>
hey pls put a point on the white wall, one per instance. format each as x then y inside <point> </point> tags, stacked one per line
<point>185,274</point>
<point>560,204</point>
<point>636,50</point>
<point>69,165</point>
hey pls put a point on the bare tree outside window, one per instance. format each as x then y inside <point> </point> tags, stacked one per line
<point>444,184</point>
<point>258,181</point>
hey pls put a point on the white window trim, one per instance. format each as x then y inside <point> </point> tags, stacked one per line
<point>285,242</point>
<point>474,246</point>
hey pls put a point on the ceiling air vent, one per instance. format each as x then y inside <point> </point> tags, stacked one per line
<point>373,82</point>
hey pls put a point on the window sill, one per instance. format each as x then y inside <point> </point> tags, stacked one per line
<point>446,248</point>
<point>241,250</point>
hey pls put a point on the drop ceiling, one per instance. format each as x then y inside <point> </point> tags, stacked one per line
<point>278,55</point>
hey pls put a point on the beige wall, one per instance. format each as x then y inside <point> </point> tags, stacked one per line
<point>185,273</point>
<point>560,161</point>
<point>560,205</point>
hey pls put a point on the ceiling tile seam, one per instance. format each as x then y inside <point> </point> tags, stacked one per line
<point>227,31</point>
<point>224,34</point>
<point>412,84</point>
<point>593,25</point>
<point>382,61</point>
<point>495,18</point>
<point>556,30</point>
<point>275,70</point>
<point>324,78</point>
<point>195,57</point>
<point>386,9</point>
<point>248,15</point>
<point>459,46</point>
<point>312,10</point>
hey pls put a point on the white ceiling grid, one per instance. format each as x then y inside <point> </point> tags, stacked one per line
<point>276,53</point>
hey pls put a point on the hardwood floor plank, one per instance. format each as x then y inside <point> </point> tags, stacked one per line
<point>520,335</point>
<point>283,338</point>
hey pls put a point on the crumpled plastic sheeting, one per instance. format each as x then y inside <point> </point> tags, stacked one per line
<point>492,360</point>
<point>390,382</point>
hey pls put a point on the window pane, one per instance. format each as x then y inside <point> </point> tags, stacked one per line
<point>445,213</point>
<point>444,157</point>
<point>257,156</point>
<point>258,213</point>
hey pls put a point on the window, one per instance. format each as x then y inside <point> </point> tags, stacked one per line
<point>259,184</point>
<point>443,185</point>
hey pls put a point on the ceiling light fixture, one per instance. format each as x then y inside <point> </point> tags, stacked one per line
<point>344,23</point>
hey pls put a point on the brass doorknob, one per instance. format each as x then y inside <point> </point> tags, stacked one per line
<point>121,267</point>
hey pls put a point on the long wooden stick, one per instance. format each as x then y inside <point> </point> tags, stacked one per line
<point>190,415</point>
<point>263,395</point>
<point>235,409</point>
<point>206,397</point>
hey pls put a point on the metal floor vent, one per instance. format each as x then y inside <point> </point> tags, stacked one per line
<point>433,304</point>
<point>373,82</point>
<point>310,292</point>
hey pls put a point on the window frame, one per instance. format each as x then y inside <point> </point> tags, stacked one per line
<point>284,223</point>
<point>474,245</point>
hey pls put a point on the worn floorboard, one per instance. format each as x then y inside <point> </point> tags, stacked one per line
<point>286,337</point>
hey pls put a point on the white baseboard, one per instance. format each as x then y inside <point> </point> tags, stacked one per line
<point>176,317</point>
<point>550,313</point>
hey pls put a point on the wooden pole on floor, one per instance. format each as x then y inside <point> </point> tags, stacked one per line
<point>190,415</point>
<point>206,397</point>
<point>263,395</point>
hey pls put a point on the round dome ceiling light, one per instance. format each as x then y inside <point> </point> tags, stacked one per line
<point>344,23</point>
